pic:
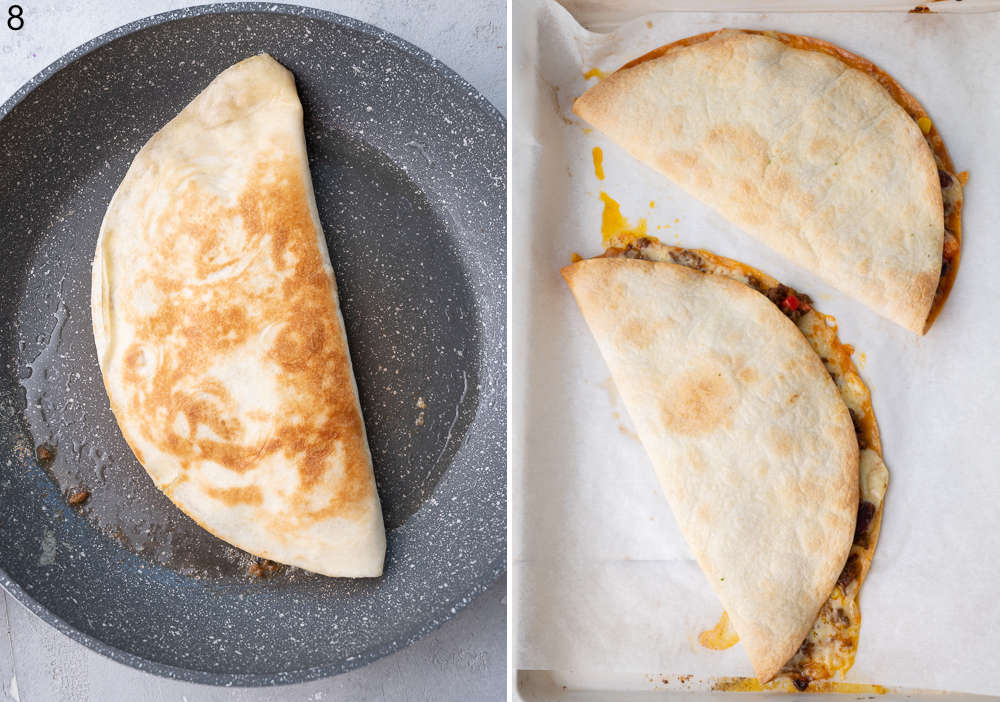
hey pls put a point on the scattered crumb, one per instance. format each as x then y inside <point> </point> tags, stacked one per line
<point>420,420</point>
<point>625,431</point>
<point>685,678</point>
<point>421,404</point>
<point>45,452</point>
<point>649,24</point>
<point>77,496</point>
<point>263,568</point>
<point>555,103</point>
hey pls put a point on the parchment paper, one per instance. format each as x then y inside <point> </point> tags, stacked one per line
<point>602,578</point>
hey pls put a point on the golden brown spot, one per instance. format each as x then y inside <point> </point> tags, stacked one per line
<point>134,361</point>
<point>696,460</point>
<point>699,403</point>
<point>781,440</point>
<point>248,495</point>
<point>677,162</point>
<point>924,284</point>
<point>638,334</point>
<point>748,375</point>
<point>741,143</point>
<point>247,273</point>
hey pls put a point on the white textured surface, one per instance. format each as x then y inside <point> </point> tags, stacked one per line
<point>463,660</point>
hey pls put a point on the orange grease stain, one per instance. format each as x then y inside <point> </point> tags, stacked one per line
<point>598,163</point>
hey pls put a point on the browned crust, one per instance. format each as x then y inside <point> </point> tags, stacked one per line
<point>953,222</point>
<point>308,349</point>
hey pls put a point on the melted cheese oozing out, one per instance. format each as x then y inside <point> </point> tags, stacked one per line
<point>614,226</point>
<point>832,643</point>
<point>721,636</point>
<point>785,685</point>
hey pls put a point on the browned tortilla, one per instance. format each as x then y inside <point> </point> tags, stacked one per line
<point>950,182</point>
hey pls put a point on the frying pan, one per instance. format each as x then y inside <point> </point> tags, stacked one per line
<point>408,163</point>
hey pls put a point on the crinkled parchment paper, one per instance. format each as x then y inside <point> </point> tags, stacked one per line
<point>603,580</point>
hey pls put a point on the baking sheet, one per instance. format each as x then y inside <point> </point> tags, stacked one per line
<point>602,579</point>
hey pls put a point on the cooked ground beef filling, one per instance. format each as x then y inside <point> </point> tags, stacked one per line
<point>791,302</point>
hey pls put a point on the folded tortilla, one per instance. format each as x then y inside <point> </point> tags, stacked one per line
<point>219,332</point>
<point>768,455</point>
<point>811,149</point>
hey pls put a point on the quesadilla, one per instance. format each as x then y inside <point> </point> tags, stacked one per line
<point>762,436</point>
<point>219,332</point>
<point>813,150</point>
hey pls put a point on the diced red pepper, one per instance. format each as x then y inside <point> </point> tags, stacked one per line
<point>791,302</point>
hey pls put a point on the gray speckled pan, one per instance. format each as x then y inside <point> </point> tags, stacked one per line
<point>408,162</point>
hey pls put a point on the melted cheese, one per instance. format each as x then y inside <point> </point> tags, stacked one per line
<point>785,685</point>
<point>721,636</point>
<point>598,162</point>
<point>614,226</point>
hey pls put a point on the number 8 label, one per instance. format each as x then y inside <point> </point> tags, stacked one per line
<point>14,19</point>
